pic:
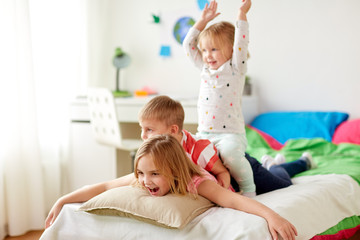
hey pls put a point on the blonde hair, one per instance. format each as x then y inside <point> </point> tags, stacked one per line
<point>171,160</point>
<point>164,109</point>
<point>221,34</point>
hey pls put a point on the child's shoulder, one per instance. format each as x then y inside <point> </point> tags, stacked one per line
<point>188,134</point>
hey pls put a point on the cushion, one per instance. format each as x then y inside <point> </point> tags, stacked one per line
<point>292,125</point>
<point>272,142</point>
<point>171,211</point>
<point>347,132</point>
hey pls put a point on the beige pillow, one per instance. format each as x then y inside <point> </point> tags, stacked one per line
<point>172,211</point>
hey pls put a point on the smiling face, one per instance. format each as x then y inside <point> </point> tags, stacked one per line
<point>162,166</point>
<point>216,44</point>
<point>151,178</point>
<point>214,56</point>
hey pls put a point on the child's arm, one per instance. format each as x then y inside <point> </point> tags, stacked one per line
<point>208,14</point>
<point>241,40</point>
<point>85,193</point>
<point>243,10</point>
<point>190,41</point>
<point>205,155</point>
<point>225,198</point>
<point>221,173</point>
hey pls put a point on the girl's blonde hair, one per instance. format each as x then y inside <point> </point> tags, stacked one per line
<point>170,160</point>
<point>221,34</point>
<point>163,109</point>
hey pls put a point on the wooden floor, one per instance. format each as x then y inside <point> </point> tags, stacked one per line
<point>32,235</point>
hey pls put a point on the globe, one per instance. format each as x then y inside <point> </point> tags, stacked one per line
<point>182,27</point>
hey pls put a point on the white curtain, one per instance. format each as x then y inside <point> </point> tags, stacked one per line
<point>42,68</point>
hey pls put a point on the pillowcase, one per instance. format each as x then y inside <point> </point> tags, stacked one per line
<point>171,211</point>
<point>347,132</point>
<point>291,125</point>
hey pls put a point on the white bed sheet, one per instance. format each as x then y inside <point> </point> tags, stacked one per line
<point>313,204</point>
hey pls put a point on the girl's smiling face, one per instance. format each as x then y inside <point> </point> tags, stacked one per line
<point>150,177</point>
<point>214,57</point>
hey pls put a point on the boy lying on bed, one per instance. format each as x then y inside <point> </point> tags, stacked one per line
<point>163,115</point>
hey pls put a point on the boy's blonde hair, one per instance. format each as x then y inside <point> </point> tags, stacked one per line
<point>163,109</point>
<point>221,34</point>
<point>170,160</point>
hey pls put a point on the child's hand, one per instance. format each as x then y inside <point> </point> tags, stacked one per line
<point>282,226</point>
<point>54,212</point>
<point>244,8</point>
<point>223,179</point>
<point>209,12</point>
<point>246,4</point>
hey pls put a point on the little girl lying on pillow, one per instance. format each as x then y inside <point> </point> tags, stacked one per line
<point>162,167</point>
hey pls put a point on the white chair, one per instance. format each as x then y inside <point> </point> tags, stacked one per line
<point>104,121</point>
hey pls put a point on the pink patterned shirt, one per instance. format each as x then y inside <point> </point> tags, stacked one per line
<point>196,180</point>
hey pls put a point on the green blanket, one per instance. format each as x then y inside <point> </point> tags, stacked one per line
<point>330,158</point>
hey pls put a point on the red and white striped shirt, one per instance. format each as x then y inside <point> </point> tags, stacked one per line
<point>202,152</point>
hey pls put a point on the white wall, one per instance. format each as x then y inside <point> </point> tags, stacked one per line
<point>305,55</point>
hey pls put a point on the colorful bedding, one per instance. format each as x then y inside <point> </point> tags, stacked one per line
<point>293,125</point>
<point>323,203</point>
<point>343,158</point>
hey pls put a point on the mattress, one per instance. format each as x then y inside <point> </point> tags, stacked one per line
<point>313,204</point>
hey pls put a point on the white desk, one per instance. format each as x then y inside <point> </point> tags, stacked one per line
<point>128,108</point>
<point>91,162</point>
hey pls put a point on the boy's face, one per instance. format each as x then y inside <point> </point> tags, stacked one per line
<point>151,128</point>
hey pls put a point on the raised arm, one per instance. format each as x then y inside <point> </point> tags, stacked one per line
<point>225,198</point>
<point>85,193</point>
<point>243,10</point>
<point>208,14</point>
<point>190,41</point>
<point>241,40</point>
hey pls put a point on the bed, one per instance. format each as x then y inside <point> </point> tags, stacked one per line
<point>323,203</point>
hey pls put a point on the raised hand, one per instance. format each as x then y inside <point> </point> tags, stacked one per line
<point>244,8</point>
<point>209,12</point>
